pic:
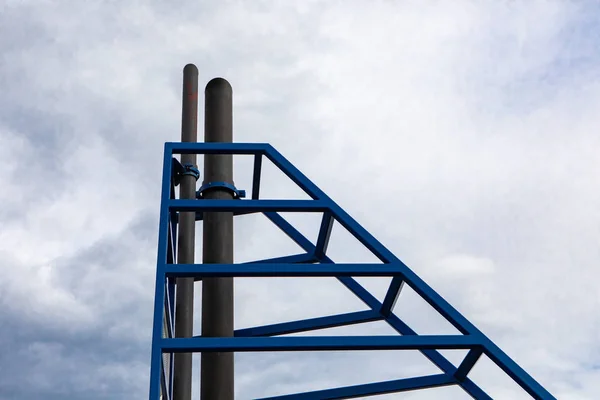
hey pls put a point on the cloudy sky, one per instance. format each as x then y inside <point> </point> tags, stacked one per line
<point>462,134</point>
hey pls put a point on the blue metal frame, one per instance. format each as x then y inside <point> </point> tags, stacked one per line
<point>263,338</point>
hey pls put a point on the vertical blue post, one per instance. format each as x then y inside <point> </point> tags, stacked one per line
<point>159,292</point>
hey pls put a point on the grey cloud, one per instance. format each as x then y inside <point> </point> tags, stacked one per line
<point>442,129</point>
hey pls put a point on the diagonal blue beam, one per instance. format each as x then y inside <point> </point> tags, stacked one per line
<point>172,235</point>
<point>171,259</point>
<point>517,373</point>
<point>156,368</point>
<point>302,258</point>
<point>200,215</point>
<point>324,234</point>
<point>164,383</point>
<point>392,296</point>
<point>317,343</point>
<point>348,222</point>
<point>360,233</point>
<point>169,314</point>
<point>401,327</point>
<point>256,176</point>
<point>294,173</point>
<point>372,389</point>
<point>291,231</point>
<point>378,249</point>
<point>311,324</point>
<point>412,279</point>
<point>520,376</point>
<point>434,356</point>
<point>341,216</point>
<point>468,363</point>
<point>426,292</point>
<point>170,296</point>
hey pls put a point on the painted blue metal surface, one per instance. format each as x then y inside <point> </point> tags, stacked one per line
<point>276,269</point>
<point>372,389</point>
<point>189,169</point>
<point>319,343</point>
<point>267,338</point>
<point>236,193</point>
<point>310,324</point>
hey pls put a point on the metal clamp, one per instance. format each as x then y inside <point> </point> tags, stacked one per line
<point>237,194</point>
<point>190,169</point>
<point>180,170</point>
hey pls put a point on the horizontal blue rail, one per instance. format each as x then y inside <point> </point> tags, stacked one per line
<point>249,205</point>
<point>279,270</point>
<point>317,343</point>
<point>216,148</point>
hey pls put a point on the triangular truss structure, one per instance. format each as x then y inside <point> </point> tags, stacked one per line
<point>313,262</point>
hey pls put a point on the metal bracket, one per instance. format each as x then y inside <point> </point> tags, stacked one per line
<point>237,194</point>
<point>190,169</point>
<point>180,170</point>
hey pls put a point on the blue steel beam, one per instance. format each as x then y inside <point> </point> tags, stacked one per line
<point>311,324</point>
<point>172,235</point>
<point>392,296</point>
<point>159,291</point>
<point>242,148</point>
<point>372,389</point>
<point>172,239</point>
<point>439,360</point>
<point>168,312</point>
<point>416,283</point>
<point>294,173</point>
<point>294,259</point>
<point>359,291</point>
<point>170,283</point>
<point>513,370</point>
<point>171,259</point>
<point>170,296</point>
<point>164,384</point>
<point>248,205</point>
<point>302,258</point>
<point>317,343</point>
<point>215,148</point>
<point>256,176</point>
<point>290,231</point>
<point>434,356</point>
<point>324,234</point>
<point>468,363</point>
<point>340,215</point>
<point>407,275</point>
<point>278,270</point>
<point>360,233</point>
<point>519,375</point>
<point>402,328</point>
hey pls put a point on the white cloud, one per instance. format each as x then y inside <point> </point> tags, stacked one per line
<point>461,135</point>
